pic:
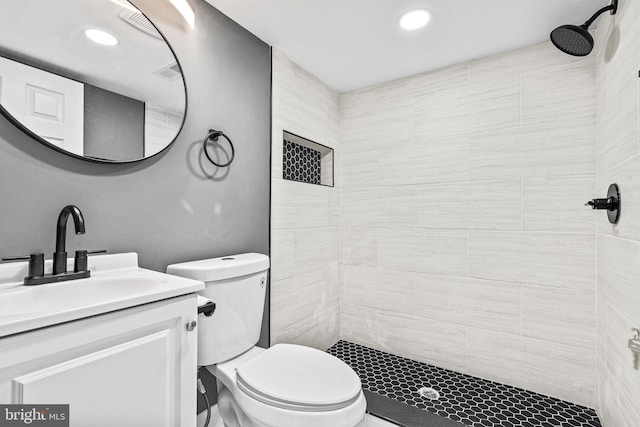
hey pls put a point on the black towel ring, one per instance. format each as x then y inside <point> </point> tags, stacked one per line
<point>214,135</point>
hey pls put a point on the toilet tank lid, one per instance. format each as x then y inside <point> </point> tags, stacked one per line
<point>222,268</point>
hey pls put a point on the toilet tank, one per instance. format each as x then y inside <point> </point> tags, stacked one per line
<point>237,284</point>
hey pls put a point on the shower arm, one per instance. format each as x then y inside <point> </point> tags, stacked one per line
<point>613,7</point>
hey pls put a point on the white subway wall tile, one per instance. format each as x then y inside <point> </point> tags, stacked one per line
<point>539,57</point>
<point>557,370</point>
<point>383,206</point>
<point>298,205</point>
<point>619,275</point>
<point>423,84</point>
<point>308,333</point>
<point>553,259</point>
<point>601,327</point>
<point>624,62</point>
<point>423,160</point>
<point>470,302</point>
<point>618,141</point>
<point>359,324</point>
<point>626,175</point>
<point>619,357</point>
<point>614,410</point>
<point>534,151</point>
<point>334,208</point>
<point>305,218</point>
<point>618,127</point>
<point>443,113</point>
<point>423,250</point>
<point>359,170</point>
<point>388,290</point>
<point>559,115</point>
<point>488,205</point>
<point>298,298</point>
<point>565,316</point>
<point>437,343</point>
<point>282,335</point>
<point>557,204</point>
<point>315,249</point>
<point>556,85</point>
<point>494,104</point>
<point>282,251</point>
<point>359,246</point>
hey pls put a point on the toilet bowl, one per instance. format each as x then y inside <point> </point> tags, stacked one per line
<point>286,385</point>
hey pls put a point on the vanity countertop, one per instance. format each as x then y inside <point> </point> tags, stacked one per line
<point>116,283</point>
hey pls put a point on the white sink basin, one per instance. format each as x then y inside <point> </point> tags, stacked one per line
<point>116,282</point>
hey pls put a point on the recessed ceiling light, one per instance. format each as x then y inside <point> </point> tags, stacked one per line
<point>101,37</point>
<point>415,19</point>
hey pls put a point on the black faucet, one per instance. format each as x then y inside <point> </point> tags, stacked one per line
<point>60,255</point>
<point>36,275</point>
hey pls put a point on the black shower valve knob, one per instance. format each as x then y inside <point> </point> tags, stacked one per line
<point>611,203</point>
<point>608,203</point>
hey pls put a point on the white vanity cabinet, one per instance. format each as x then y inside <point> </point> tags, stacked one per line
<point>133,367</point>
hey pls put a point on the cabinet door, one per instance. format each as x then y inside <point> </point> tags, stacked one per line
<point>135,367</point>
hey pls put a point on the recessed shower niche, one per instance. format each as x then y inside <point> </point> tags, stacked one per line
<point>306,161</point>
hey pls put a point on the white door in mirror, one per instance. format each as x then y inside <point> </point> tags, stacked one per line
<point>49,105</point>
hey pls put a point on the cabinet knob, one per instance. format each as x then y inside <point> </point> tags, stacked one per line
<point>191,325</point>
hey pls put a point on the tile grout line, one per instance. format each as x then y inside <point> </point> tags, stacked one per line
<point>522,310</point>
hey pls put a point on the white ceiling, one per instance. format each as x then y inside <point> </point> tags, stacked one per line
<point>351,44</point>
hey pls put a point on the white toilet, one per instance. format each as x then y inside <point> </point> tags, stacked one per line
<point>284,386</point>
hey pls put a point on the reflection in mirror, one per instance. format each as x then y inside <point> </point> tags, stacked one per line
<point>92,78</point>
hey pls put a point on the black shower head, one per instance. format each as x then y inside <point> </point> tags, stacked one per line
<point>573,40</point>
<point>576,40</point>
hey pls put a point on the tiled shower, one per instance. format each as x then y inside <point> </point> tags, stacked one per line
<point>456,232</point>
<point>465,240</point>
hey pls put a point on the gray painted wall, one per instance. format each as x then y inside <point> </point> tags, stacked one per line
<point>175,206</point>
<point>113,125</point>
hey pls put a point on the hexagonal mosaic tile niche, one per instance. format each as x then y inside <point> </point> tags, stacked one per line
<point>472,401</point>
<point>306,161</point>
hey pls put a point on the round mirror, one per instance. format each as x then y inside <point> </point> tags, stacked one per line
<point>91,78</point>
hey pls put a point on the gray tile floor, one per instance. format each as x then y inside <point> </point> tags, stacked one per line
<point>405,415</point>
<point>373,421</point>
<point>216,421</point>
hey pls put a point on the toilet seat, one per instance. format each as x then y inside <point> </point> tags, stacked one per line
<point>299,378</point>
<point>267,413</point>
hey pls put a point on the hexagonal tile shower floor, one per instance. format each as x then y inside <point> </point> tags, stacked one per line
<point>471,401</point>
